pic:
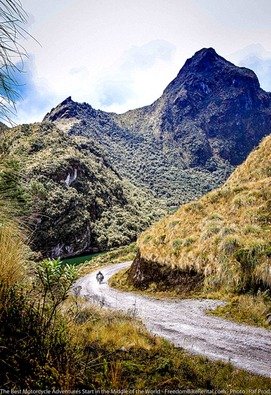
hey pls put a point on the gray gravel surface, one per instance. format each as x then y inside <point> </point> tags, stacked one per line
<point>185,323</point>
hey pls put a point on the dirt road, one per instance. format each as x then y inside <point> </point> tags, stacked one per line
<point>185,324</point>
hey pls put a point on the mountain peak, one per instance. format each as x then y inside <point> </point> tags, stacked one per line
<point>67,101</point>
<point>69,109</point>
<point>206,66</point>
<point>203,60</point>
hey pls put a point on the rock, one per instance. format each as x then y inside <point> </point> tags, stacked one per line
<point>123,349</point>
<point>143,274</point>
<point>268,319</point>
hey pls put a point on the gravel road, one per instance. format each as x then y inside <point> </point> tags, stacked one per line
<point>185,323</point>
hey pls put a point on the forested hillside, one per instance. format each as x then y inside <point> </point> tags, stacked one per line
<point>72,198</point>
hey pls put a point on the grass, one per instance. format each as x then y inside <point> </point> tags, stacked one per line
<point>88,347</point>
<point>113,330</point>
<point>12,255</point>
<point>247,309</point>
<point>125,355</point>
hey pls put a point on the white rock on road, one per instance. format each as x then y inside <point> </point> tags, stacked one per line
<point>185,323</point>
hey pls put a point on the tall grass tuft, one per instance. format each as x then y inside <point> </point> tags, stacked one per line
<point>13,252</point>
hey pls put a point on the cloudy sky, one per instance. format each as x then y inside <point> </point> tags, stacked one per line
<point>120,54</point>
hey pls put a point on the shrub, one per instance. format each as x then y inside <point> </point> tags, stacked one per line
<point>53,282</point>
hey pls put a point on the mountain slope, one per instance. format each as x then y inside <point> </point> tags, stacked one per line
<point>75,201</point>
<point>222,240</point>
<point>187,142</point>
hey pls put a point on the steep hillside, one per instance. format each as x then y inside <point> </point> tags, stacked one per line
<point>73,198</point>
<point>188,142</point>
<point>222,240</point>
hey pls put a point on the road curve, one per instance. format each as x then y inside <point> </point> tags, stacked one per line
<point>185,323</point>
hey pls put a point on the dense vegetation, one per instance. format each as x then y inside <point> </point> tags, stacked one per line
<point>224,237</point>
<point>50,341</point>
<point>72,197</point>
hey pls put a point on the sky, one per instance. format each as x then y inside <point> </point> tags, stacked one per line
<point>119,55</point>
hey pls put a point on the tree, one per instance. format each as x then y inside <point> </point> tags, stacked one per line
<point>12,19</point>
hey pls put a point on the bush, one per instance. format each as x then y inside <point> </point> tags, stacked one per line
<point>30,355</point>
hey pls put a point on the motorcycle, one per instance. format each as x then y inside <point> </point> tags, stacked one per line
<point>99,277</point>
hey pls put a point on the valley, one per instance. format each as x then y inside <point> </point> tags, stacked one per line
<point>70,195</point>
<point>94,180</point>
<point>188,178</point>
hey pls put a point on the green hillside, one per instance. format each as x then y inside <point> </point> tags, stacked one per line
<point>222,241</point>
<point>73,199</point>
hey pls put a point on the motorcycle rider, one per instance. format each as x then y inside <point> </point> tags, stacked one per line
<point>100,277</point>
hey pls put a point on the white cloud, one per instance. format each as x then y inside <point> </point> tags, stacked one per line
<point>147,55</point>
<point>34,98</point>
<point>258,59</point>
<point>122,87</point>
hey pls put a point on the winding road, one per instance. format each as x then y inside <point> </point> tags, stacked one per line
<point>185,323</point>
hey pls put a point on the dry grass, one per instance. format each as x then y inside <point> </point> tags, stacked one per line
<point>226,234</point>
<point>11,255</point>
<point>125,355</point>
<point>247,309</point>
<point>113,330</point>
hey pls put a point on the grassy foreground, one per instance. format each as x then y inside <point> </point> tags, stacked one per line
<point>85,347</point>
<point>126,356</point>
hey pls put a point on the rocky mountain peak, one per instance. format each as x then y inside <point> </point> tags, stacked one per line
<point>203,60</point>
<point>70,109</point>
<point>207,67</point>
